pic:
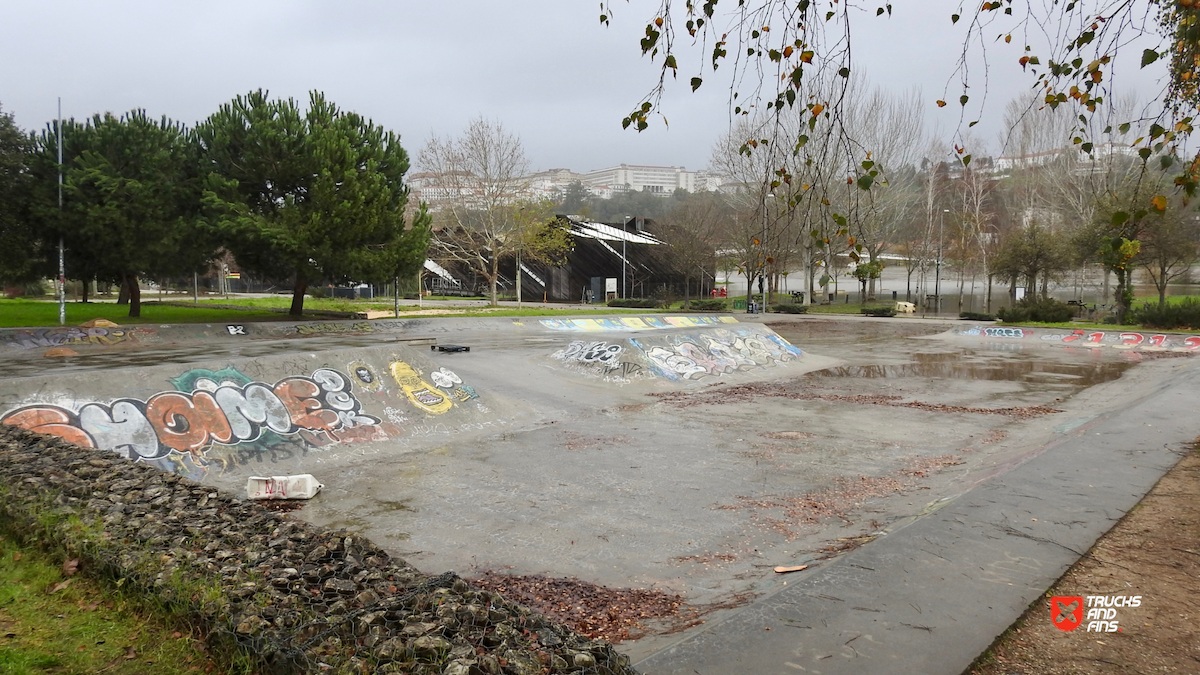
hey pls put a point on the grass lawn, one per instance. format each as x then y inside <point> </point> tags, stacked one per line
<point>843,308</point>
<point>54,623</point>
<point>531,308</point>
<point>19,312</point>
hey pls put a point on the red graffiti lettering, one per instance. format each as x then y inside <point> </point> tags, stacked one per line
<point>1157,340</point>
<point>50,420</point>
<point>298,396</point>
<point>1132,339</point>
<point>173,417</point>
<point>1095,338</point>
<point>187,422</point>
<point>213,418</point>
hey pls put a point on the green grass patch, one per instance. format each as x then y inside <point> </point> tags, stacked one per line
<point>20,313</point>
<point>74,624</point>
<point>836,308</point>
<point>1072,325</point>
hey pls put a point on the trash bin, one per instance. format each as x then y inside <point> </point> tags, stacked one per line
<point>752,307</point>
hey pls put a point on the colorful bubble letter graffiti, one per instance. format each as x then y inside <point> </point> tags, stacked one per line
<point>1094,338</point>
<point>679,357</point>
<point>213,407</point>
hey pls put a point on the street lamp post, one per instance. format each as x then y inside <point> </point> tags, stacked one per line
<point>762,279</point>
<point>62,271</point>
<point>624,236</point>
<point>937,284</point>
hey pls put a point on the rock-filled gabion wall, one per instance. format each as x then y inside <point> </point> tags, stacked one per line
<point>292,597</point>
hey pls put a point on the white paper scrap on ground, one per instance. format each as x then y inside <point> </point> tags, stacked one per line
<point>302,486</point>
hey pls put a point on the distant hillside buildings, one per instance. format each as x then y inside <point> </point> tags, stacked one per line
<point>433,188</point>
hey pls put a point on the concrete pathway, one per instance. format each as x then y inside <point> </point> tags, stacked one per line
<point>930,596</point>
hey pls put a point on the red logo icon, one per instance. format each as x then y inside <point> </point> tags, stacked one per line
<point>1066,611</point>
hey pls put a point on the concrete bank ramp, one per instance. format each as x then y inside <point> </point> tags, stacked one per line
<point>317,405</point>
<point>1117,338</point>
<point>682,355</point>
<point>274,414</point>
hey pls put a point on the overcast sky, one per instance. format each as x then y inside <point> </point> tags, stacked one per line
<point>546,69</point>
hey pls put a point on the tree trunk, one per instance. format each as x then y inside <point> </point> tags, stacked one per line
<point>989,293</point>
<point>83,292</point>
<point>123,293</point>
<point>1012,290</point>
<point>298,292</point>
<point>687,290</point>
<point>1161,282</point>
<point>135,295</point>
<point>494,279</point>
<point>1120,295</point>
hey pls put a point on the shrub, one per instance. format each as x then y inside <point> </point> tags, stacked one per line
<point>1037,311</point>
<point>1184,314</point>
<point>317,292</point>
<point>634,302</point>
<point>976,316</point>
<point>710,305</point>
<point>879,311</point>
<point>790,308</point>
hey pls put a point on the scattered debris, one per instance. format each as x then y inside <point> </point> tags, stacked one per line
<point>57,352</point>
<point>283,505</point>
<point>300,486</point>
<point>449,348</point>
<point>845,495</point>
<point>612,614</point>
<point>787,435</point>
<point>745,393</point>
<point>707,558</point>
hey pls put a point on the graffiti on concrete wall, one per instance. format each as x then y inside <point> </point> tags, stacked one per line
<point>220,408</point>
<point>635,323</point>
<point>437,398</point>
<point>71,336</point>
<point>1116,339</point>
<point>679,357</point>
<point>717,353</point>
<point>600,359</point>
<point>333,327</point>
<point>591,352</point>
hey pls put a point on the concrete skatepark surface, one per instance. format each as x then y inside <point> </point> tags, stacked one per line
<point>674,455</point>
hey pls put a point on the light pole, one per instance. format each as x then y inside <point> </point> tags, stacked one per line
<point>624,236</point>
<point>62,271</point>
<point>937,283</point>
<point>762,280</point>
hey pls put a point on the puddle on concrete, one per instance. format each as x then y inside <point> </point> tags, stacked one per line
<point>958,366</point>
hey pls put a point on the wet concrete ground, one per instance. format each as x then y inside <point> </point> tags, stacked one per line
<point>701,495</point>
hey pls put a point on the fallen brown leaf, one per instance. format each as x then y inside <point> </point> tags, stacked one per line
<point>70,567</point>
<point>60,585</point>
<point>795,568</point>
<point>130,653</point>
<point>16,556</point>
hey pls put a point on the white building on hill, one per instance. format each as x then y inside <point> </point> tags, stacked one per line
<point>662,180</point>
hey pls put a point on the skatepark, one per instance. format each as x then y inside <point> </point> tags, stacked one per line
<point>935,477</point>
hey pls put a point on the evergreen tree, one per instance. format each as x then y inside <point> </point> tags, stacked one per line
<point>309,196</point>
